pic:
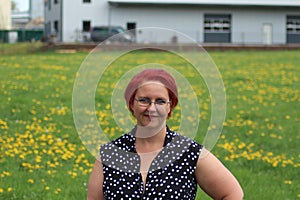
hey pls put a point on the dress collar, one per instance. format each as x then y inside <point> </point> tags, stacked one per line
<point>131,140</point>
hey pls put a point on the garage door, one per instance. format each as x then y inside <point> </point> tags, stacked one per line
<point>293,29</point>
<point>217,28</point>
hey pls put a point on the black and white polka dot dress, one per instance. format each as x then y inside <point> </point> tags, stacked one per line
<point>171,174</point>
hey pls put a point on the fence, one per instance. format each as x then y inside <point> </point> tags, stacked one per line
<point>13,36</point>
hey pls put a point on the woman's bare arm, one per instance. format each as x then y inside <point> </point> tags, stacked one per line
<point>95,186</point>
<point>215,179</point>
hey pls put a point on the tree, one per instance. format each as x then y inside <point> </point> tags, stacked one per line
<point>14,5</point>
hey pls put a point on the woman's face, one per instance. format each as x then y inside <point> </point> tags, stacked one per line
<point>152,114</point>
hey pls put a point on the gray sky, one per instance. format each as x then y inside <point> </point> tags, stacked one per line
<point>22,5</point>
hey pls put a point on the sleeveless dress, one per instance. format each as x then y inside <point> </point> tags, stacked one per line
<point>171,173</point>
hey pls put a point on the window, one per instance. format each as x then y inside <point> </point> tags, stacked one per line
<point>56,26</point>
<point>49,4</point>
<point>293,29</point>
<point>86,26</point>
<point>55,1</point>
<point>86,1</point>
<point>217,23</point>
<point>293,24</point>
<point>217,28</point>
<point>48,28</point>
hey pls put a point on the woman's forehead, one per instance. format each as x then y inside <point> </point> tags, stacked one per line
<point>146,83</point>
<point>152,88</point>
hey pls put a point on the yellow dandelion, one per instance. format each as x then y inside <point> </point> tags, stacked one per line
<point>241,145</point>
<point>30,181</point>
<point>38,159</point>
<point>288,182</point>
<point>63,78</point>
<point>275,164</point>
<point>58,190</point>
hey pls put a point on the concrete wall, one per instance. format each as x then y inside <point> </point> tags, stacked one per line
<point>188,22</point>
<point>75,12</point>
<point>249,25</point>
<point>52,14</point>
<point>5,14</point>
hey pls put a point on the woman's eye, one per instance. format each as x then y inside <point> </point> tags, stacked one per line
<point>144,100</point>
<point>160,101</point>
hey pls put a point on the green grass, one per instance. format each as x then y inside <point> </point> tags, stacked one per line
<point>42,156</point>
<point>20,48</point>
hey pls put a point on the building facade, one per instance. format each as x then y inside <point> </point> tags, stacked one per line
<point>5,14</point>
<point>264,22</point>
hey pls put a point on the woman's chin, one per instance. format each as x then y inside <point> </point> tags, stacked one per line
<point>153,122</point>
<point>150,128</point>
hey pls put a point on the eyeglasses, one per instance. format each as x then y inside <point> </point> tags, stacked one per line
<point>147,102</point>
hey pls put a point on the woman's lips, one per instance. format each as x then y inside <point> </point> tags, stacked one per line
<point>151,115</point>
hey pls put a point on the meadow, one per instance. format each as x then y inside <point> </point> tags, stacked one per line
<point>43,157</point>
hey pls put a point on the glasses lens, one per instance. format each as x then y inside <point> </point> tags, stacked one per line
<point>144,101</point>
<point>160,102</point>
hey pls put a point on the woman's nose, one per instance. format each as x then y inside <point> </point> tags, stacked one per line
<point>152,106</point>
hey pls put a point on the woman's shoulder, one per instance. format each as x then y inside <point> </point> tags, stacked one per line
<point>125,142</point>
<point>182,140</point>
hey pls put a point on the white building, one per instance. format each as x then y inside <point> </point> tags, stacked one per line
<point>206,21</point>
<point>5,14</point>
<point>32,18</point>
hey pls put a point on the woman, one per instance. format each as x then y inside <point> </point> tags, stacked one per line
<point>152,161</point>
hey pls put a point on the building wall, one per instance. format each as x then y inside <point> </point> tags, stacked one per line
<point>187,22</point>
<point>52,15</point>
<point>75,12</point>
<point>5,14</point>
<point>247,23</point>
<point>70,15</point>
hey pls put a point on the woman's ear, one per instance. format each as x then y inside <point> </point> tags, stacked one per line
<point>131,108</point>
<point>169,111</point>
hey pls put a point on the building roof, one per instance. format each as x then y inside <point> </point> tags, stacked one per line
<point>215,2</point>
<point>20,14</point>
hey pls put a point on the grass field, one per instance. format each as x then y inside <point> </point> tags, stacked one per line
<point>42,156</point>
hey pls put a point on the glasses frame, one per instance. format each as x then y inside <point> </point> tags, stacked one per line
<point>145,102</point>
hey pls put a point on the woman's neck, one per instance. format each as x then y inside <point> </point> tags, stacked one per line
<point>153,143</point>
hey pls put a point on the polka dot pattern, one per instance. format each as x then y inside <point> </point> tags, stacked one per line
<point>171,174</point>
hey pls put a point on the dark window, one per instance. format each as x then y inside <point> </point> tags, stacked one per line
<point>49,4</point>
<point>217,23</point>
<point>131,26</point>
<point>293,29</point>
<point>217,28</point>
<point>55,1</point>
<point>48,28</point>
<point>86,1</point>
<point>293,24</point>
<point>56,26</point>
<point>86,26</point>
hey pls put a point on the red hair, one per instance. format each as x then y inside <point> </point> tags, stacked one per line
<point>147,75</point>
